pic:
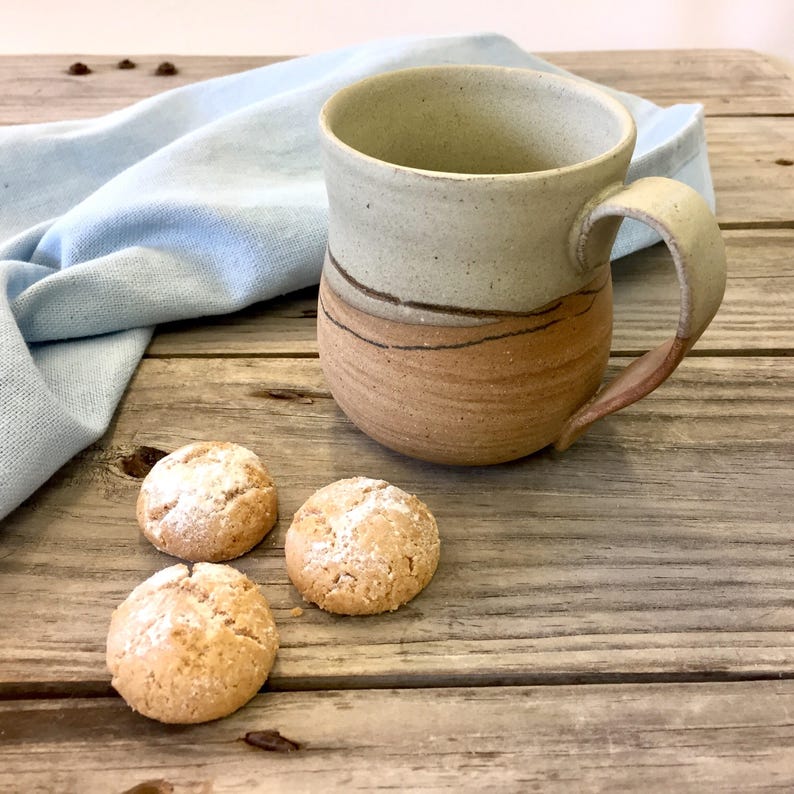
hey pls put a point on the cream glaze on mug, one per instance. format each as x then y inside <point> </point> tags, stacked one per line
<point>459,187</point>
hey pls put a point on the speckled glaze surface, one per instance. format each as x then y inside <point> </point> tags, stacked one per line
<point>465,308</point>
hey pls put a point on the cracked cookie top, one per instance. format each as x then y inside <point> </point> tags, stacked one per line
<point>361,546</point>
<point>208,501</point>
<point>191,647</point>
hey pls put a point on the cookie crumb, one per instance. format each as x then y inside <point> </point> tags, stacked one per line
<point>126,64</point>
<point>166,68</point>
<point>79,68</point>
<point>296,612</point>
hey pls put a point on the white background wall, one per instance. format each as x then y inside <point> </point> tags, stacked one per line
<point>303,26</point>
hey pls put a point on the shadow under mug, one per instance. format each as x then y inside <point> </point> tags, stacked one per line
<point>465,309</point>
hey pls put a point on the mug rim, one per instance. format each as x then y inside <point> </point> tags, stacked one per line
<point>628,128</point>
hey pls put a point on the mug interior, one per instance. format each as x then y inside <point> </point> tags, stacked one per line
<point>476,120</point>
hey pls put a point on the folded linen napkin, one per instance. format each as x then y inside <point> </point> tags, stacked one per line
<point>197,201</point>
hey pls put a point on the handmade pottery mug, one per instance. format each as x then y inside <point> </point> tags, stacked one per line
<point>465,308</point>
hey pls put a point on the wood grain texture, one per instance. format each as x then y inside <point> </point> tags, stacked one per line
<point>755,315</point>
<point>736,737</point>
<point>728,82</point>
<point>755,312</point>
<point>659,545</point>
<point>36,88</point>
<point>285,326</point>
<point>753,183</point>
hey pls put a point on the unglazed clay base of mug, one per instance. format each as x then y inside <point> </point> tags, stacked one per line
<point>469,395</point>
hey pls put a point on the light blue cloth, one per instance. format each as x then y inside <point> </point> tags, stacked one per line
<point>197,201</point>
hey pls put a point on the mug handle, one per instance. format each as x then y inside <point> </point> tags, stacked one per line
<point>686,224</point>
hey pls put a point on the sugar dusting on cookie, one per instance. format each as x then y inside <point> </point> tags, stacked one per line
<point>379,498</point>
<point>199,482</point>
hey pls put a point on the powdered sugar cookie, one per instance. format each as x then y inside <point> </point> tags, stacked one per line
<point>187,648</point>
<point>361,546</point>
<point>208,501</point>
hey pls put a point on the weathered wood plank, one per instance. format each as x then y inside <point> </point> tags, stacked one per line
<point>751,166</point>
<point>728,82</point>
<point>755,315</point>
<point>756,311</point>
<point>736,737</point>
<point>35,88</point>
<point>660,544</point>
<point>284,326</point>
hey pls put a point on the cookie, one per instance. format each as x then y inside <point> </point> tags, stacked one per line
<point>361,546</point>
<point>191,647</point>
<point>207,502</point>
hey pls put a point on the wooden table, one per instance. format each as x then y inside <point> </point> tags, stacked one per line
<point>618,617</point>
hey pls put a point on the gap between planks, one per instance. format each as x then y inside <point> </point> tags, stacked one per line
<point>750,115</point>
<point>79,690</point>
<point>767,352</point>
<point>209,356</point>
<point>738,226</point>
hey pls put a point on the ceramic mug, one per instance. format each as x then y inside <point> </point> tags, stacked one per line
<point>465,308</point>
